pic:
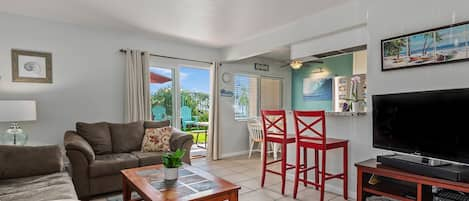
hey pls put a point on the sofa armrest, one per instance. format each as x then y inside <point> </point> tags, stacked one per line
<point>182,140</point>
<point>73,141</point>
<point>80,154</point>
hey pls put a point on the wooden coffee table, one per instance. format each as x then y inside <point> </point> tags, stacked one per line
<point>193,184</point>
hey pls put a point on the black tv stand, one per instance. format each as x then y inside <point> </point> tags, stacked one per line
<point>418,159</point>
<point>426,167</point>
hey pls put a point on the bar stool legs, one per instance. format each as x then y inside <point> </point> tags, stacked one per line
<point>323,174</point>
<point>320,171</point>
<point>345,166</point>
<point>264,164</point>
<point>305,162</point>
<point>316,170</point>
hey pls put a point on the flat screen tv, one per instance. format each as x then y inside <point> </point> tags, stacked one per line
<point>430,123</point>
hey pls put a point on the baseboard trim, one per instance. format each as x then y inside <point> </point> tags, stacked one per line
<point>331,188</point>
<point>239,153</point>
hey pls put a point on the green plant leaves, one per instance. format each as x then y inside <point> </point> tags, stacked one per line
<point>173,159</point>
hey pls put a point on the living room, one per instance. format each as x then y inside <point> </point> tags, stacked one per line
<point>87,81</point>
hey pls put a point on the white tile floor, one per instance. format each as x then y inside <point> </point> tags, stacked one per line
<point>247,174</point>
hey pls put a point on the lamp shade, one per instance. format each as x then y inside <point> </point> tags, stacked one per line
<point>17,110</point>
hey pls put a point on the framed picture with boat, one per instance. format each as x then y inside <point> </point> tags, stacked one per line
<point>435,46</point>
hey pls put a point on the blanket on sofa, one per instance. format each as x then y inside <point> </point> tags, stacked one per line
<point>57,186</point>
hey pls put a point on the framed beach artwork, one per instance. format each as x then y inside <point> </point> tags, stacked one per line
<point>317,89</point>
<point>31,66</point>
<point>440,45</point>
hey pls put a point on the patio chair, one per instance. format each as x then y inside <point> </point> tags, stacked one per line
<point>159,113</point>
<point>187,118</point>
<point>256,135</point>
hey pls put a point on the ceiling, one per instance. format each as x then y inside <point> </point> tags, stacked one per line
<point>214,23</point>
<point>280,54</point>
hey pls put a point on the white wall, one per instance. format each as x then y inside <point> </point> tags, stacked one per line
<point>88,72</point>
<point>234,134</point>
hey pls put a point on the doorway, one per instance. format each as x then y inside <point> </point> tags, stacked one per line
<point>195,106</point>
<point>180,93</point>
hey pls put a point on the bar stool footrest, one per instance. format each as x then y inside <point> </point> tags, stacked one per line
<point>308,169</point>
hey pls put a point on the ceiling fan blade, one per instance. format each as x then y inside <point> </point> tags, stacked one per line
<point>308,58</point>
<point>314,61</point>
<point>285,65</point>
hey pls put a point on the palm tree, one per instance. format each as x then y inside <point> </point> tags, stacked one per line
<point>393,48</point>
<point>430,35</point>
<point>243,99</point>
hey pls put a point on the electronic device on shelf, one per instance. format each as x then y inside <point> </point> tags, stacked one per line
<point>408,163</point>
<point>424,124</point>
<point>427,124</point>
<point>450,195</point>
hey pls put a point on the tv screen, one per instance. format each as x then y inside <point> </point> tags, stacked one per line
<point>431,123</point>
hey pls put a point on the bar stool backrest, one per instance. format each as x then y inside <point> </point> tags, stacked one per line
<point>274,123</point>
<point>310,126</point>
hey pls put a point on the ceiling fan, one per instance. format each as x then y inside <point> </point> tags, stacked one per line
<point>298,63</point>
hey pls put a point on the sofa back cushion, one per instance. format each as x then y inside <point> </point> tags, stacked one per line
<point>98,136</point>
<point>126,137</point>
<point>156,124</point>
<point>25,161</point>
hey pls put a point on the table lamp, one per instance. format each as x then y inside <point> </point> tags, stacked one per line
<point>15,111</point>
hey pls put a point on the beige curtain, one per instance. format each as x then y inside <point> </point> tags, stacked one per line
<point>214,121</point>
<point>137,93</point>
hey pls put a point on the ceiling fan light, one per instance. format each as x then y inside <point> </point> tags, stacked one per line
<point>296,64</point>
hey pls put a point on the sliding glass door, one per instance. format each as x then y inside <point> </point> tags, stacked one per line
<point>180,93</point>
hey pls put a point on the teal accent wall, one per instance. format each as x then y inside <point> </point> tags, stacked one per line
<point>332,67</point>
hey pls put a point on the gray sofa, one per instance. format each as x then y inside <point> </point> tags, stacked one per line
<point>34,173</point>
<point>99,151</point>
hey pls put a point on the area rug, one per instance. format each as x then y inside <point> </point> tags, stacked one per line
<point>114,197</point>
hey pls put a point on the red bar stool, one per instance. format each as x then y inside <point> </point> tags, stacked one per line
<point>275,130</point>
<point>309,137</point>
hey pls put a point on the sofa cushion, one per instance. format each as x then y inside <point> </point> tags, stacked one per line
<point>57,186</point>
<point>110,164</point>
<point>126,137</point>
<point>97,134</point>
<point>25,161</point>
<point>148,158</point>
<point>156,124</point>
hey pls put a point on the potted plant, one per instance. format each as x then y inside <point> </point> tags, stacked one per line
<point>354,97</point>
<point>171,162</point>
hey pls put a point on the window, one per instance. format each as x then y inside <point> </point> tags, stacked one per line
<point>245,96</point>
<point>253,93</point>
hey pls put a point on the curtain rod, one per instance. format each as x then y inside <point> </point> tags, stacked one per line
<point>168,57</point>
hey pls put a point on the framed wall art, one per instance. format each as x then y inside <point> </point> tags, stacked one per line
<point>317,89</point>
<point>435,46</point>
<point>31,66</point>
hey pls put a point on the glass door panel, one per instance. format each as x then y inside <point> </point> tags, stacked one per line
<point>194,95</point>
<point>162,94</point>
<point>271,93</point>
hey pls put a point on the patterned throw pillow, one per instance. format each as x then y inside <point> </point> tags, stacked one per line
<point>156,139</point>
